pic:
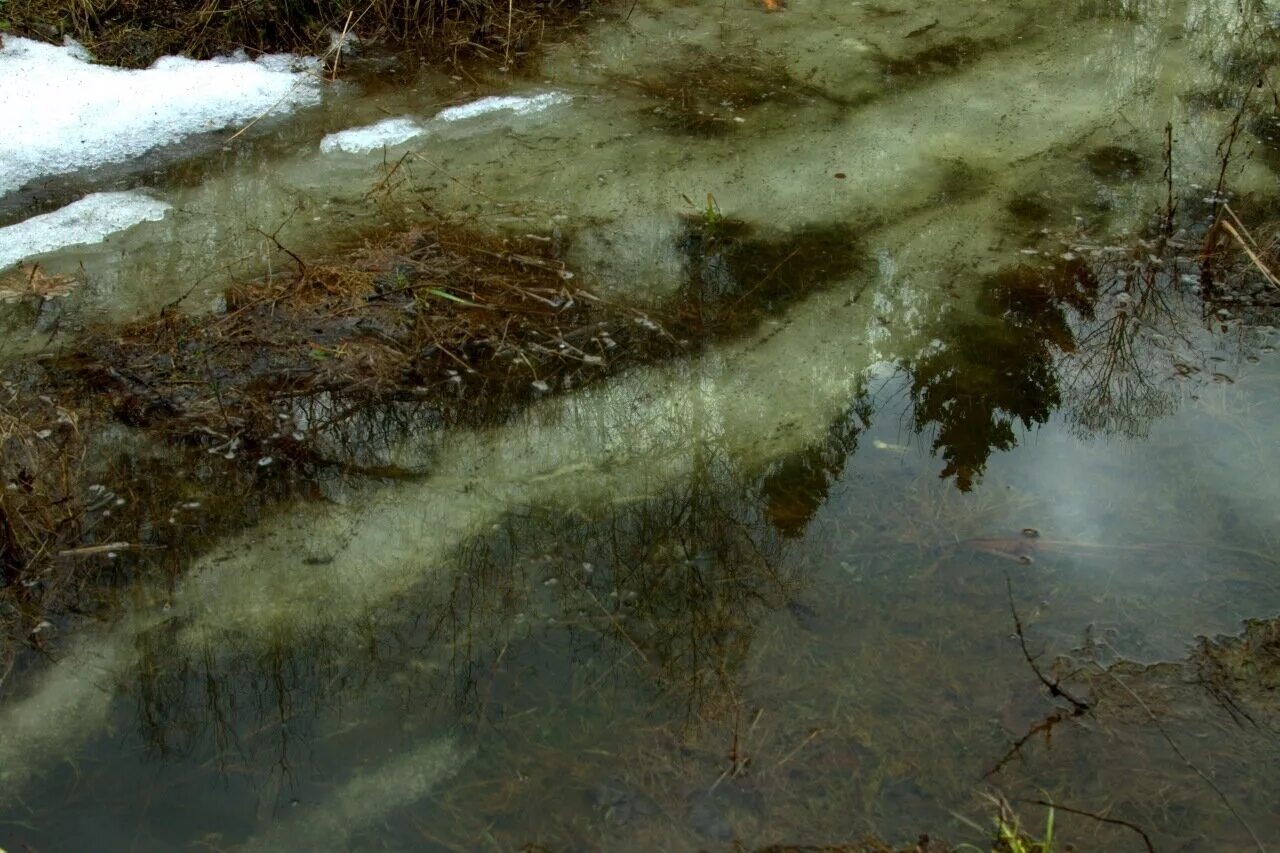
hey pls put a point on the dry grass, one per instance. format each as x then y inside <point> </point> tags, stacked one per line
<point>32,283</point>
<point>134,33</point>
<point>42,508</point>
<point>1260,258</point>
<point>467,327</point>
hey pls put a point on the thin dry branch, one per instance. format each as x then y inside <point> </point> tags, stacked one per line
<point>1177,750</point>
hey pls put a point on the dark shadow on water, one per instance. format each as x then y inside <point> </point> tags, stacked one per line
<point>795,488</point>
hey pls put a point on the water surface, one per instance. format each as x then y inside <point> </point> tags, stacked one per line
<point>767,593</point>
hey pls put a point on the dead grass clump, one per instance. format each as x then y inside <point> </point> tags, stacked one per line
<point>466,326</point>
<point>944,57</point>
<point>42,505</point>
<point>470,328</point>
<point>134,33</point>
<point>1240,266</point>
<point>32,283</point>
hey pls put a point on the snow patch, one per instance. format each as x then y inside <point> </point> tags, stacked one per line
<point>90,220</point>
<point>519,105</point>
<point>394,131</point>
<point>63,113</point>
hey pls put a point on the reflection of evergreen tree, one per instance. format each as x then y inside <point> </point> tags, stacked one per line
<point>988,370</point>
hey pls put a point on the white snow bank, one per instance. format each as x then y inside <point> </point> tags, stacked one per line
<point>63,113</point>
<point>90,220</point>
<point>394,131</point>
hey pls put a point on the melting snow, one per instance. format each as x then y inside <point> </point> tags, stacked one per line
<point>519,105</point>
<point>90,220</point>
<point>393,131</point>
<point>63,113</point>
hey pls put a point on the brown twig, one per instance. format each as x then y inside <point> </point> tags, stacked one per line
<point>1054,687</point>
<point>1182,755</point>
<point>1170,204</point>
<point>1146,839</point>
<point>1015,750</point>
<point>90,550</point>
<point>302,265</point>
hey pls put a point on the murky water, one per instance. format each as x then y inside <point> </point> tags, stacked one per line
<point>766,594</point>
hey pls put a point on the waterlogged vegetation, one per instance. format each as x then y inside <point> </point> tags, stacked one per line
<point>830,426</point>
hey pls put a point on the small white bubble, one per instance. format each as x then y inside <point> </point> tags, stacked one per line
<point>265,461</point>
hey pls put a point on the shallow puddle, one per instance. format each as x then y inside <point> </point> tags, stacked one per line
<point>973,427</point>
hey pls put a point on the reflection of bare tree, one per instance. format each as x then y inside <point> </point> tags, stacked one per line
<point>660,596</point>
<point>679,581</point>
<point>1116,376</point>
